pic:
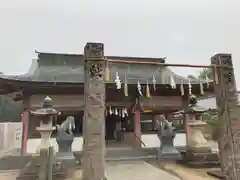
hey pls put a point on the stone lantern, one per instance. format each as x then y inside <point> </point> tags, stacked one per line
<point>45,115</point>
<point>196,141</point>
<point>43,165</point>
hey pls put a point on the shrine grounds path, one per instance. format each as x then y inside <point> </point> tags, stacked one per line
<point>138,170</point>
<point>141,170</point>
<point>132,170</point>
<point>8,174</point>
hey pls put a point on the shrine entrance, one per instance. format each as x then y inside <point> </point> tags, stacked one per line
<point>110,127</point>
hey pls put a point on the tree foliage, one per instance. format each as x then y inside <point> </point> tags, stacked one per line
<point>206,72</point>
<point>9,109</point>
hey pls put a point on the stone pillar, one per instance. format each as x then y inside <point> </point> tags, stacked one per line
<point>229,122</point>
<point>94,113</point>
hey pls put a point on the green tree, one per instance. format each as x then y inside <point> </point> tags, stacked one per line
<point>9,109</point>
<point>206,72</point>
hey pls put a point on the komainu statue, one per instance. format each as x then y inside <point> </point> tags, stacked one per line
<point>65,139</point>
<point>166,135</point>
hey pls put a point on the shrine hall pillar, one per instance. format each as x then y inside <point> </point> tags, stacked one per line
<point>185,102</point>
<point>137,124</point>
<point>25,120</point>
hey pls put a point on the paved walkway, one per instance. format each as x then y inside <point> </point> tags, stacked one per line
<point>139,170</point>
<point>8,174</point>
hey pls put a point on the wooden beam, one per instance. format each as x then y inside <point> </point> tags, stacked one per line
<point>165,64</point>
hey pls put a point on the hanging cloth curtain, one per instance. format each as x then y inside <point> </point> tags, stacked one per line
<point>172,82</point>
<point>182,89</point>
<point>201,88</point>
<point>107,75</point>
<point>125,87</point>
<point>163,76</point>
<point>147,90</point>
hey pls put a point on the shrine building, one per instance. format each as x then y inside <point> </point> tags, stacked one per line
<point>144,92</point>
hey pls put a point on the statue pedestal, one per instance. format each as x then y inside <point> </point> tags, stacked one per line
<point>167,149</point>
<point>65,154</point>
<point>196,141</point>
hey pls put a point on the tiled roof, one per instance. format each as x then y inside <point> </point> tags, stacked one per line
<point>52,67</point>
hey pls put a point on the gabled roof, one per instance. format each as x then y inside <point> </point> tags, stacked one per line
<point>69,68</point>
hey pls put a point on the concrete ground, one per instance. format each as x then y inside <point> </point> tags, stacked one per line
<point>139,170</point>
<point>8,175</point>
<point>187,173</point>
<point>136,170</point>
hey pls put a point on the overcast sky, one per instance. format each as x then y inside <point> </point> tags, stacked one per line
<point>186,31</point>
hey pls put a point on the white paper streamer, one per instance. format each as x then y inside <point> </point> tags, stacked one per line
<point>172,82</point>
<point>116,111</point>
<point>110,111</point>
<point>154,83</point>
<point>139,88</point>
<point>189,87</point>
<point>118,81</point>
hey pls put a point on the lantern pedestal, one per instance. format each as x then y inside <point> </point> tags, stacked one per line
<point>196,141</point>
<point>46,133</point>
<point>167,149</point>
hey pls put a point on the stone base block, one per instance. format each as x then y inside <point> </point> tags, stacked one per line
<point>199,149</point>
<point>168,152</point>
<point>66,159</point>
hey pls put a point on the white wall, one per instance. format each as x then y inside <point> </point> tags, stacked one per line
<point>151,140</point>
<point>32,144</point>
<point>11,136</point>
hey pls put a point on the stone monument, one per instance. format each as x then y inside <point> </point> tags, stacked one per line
<point>94,112</point>
<point>65,139</point>
<point>166,136</point>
